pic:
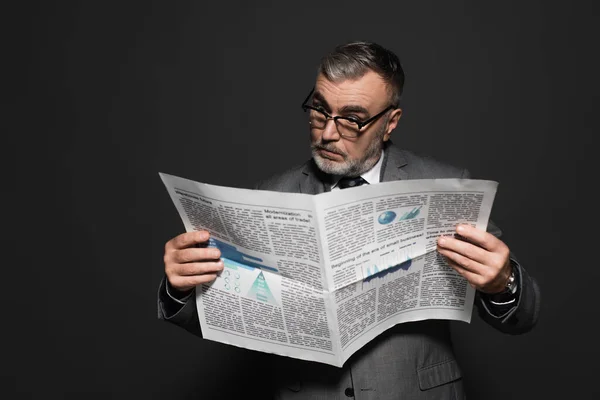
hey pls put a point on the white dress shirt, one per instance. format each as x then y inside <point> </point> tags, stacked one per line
<point>371,176</point>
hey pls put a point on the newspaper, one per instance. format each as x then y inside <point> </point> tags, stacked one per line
<point>316,277</point>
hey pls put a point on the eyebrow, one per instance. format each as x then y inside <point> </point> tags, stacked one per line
<point>350,108</point>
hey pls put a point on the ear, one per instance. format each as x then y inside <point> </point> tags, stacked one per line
<point>392,123</point>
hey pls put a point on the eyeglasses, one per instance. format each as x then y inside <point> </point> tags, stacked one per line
<point>348,127</point>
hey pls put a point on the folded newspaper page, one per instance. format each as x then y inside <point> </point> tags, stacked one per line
<point>316,277</point>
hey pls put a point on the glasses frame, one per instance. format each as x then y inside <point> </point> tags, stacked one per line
<point>360,124</point>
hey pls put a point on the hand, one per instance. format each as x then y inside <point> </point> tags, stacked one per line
<point>187,265</point>
<point>483,259</point>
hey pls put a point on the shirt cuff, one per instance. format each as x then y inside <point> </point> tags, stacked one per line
<point>503,303</point>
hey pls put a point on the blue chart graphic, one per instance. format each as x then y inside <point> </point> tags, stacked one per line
<point>411,214</point>
<point>387,217</point>
<point>260,290</point>
<point>375,273</point>
<point>232,253</point>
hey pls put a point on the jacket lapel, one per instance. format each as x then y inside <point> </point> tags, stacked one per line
<point>393,161</point>
<point>312,181</point>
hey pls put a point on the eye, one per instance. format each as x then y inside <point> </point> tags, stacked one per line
<point>354,119</point>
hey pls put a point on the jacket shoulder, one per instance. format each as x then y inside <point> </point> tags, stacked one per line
<point>287,181</point>
<point>427,167</point>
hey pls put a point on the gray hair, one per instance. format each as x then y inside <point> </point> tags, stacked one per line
<point>353,60</point>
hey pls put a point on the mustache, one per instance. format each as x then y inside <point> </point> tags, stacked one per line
<point>329,148</point>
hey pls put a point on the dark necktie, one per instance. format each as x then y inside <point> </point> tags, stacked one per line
<point>351,182</point>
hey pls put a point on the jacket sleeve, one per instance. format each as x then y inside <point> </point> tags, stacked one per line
<point>523,316</point>
<point>182,315</point>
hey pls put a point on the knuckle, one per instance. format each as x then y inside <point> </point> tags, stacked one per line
<point>185,240</point>
<point>170,276</point>
<point>469,252</point>
<point>499,262</point>
<point>204,268</point>
<point>189,239</point>
<point>487,276</point>
<point>170,268</point>
<point>176,256</point>
<point>195,268</point>
<point>186,256</point>
<point>466,262</point>
<point>173,270</point>
<point>474,252</point>
<point>478,281</point>
<point>184,269</point>
<point>170,245</point>
<point>179,240</point>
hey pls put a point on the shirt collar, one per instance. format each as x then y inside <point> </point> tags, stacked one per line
<point>371,176</point>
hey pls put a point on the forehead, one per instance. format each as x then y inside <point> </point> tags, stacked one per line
<point>369,91</point>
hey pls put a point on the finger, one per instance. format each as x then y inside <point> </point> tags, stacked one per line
<point>463,248</point>
<point>478,237</point>
<point>187,239</point>
<point>480,282</point>
<point>195,254</point>
<point>184,283</point>
<point>200,268</point>
<point>475,280</point>
<point>463,262</point>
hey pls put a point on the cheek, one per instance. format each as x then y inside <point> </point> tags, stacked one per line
<point>314,136</point>
<point>353,149</point>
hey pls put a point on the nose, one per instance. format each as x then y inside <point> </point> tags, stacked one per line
<point>330,132</point>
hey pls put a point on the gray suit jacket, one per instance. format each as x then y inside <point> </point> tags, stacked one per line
<point>409,361</point>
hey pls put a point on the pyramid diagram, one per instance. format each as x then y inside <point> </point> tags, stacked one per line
<point>260,290</point>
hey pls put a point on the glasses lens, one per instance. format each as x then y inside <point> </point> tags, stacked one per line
<point>347,128</point>
<point>317,119</point>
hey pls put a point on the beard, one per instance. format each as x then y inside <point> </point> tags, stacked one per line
<point>350,167</point>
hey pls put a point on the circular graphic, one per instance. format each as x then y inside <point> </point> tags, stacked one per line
<point>386,217</point>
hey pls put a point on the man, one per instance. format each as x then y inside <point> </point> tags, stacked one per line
<point>352,111</point>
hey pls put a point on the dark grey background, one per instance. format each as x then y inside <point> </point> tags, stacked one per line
<point>115,92</point>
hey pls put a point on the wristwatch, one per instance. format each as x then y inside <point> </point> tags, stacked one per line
<point>511,284</point>
<point>508,295</point>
